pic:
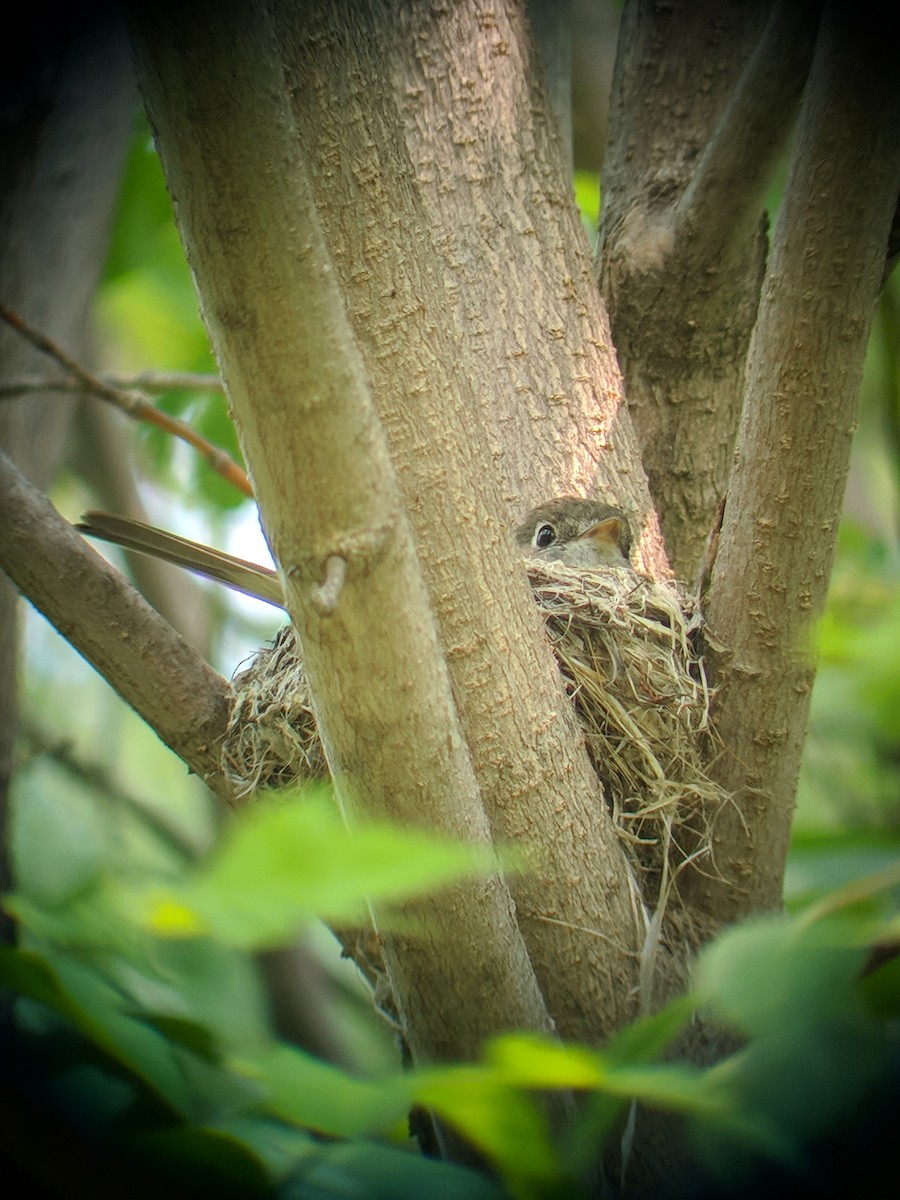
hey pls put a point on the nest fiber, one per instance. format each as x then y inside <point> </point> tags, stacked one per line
<point>626,649</point>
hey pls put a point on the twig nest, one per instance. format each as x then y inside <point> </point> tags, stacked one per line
<point>626,649</point>
<point>272,739</point>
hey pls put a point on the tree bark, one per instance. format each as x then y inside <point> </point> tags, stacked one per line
<point>329,502</point>
<point>780,526</point>
<point>703,98</point>
<point>257,247</point>
<point>68,104</point>
<point>455,289</point>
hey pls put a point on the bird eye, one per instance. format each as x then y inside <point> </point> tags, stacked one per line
<point>545,536</point>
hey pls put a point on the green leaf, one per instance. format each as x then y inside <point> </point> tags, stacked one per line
<point>363,1171</point>
<point>647,1037</point>
<point>315,1095</point>
<point>503,1122</point>
<point>86,1001</point>
<point>285,863</point>
<point>203,1160</point>
<point>814,1048</point>
<point>530,1061</point>
<point>59,841</point>
<point>772,971</point>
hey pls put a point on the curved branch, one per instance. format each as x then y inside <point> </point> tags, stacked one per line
<point>95,608</point>
<point>131,403</point>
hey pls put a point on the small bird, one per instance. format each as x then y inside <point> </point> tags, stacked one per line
<point>578,533</point>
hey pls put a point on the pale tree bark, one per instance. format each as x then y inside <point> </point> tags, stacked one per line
<point>457,233</point>
<point>329,502</point>
<point>461,353</point>
<point>780,526</point>
<point>703,99</point>
<point>450,381</point>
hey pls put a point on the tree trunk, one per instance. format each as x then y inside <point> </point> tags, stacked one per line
<point>784,502</point>
<point>68,105</point>
<point>703,99</point>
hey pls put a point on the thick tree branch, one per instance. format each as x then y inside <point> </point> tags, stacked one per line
<point>721,205</point>
<point>698,87</point>
<point>486,347</point>
<point>94,607</point>
<point>778,535</point>
<point>326,488</point>
<point>677,67</point>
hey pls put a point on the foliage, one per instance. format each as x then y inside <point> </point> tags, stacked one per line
<point>147,1032</point>
<point>147,312</point>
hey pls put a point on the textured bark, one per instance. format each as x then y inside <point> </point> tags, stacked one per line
<point>453,270</point>
<point>703,99</point>
<point>328,495</point>
<point>457,234</point>
<point>784,503</point>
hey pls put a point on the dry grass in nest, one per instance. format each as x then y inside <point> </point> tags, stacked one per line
<point>627,650</point>
<point>625,646</point>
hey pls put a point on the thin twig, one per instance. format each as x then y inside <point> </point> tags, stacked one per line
<point>132,403</point>
<point>155,382</point>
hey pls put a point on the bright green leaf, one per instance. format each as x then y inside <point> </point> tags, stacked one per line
<point>287,862</point>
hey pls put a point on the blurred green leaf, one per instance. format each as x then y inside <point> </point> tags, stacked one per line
<point>646,1038</point>
<point>821,861</point>
<point>365,1171</point>
<point>792,984</point>
<point>59,841</point>
<point>81,997</point>
<point>504,1122</point>
<point>772,971</point>
<point>286,862</point>
<point>213,1160</point>
<point>313,1094</point>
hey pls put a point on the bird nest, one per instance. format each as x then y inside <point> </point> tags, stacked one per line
<point>626,649</point>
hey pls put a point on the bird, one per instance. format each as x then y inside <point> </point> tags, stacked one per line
<point>576,533</point>
<point>569,530</point>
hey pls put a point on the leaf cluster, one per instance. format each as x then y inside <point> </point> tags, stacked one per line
<point>141,1025</point>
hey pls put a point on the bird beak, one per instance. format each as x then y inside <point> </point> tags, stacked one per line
<point>606,536</point>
